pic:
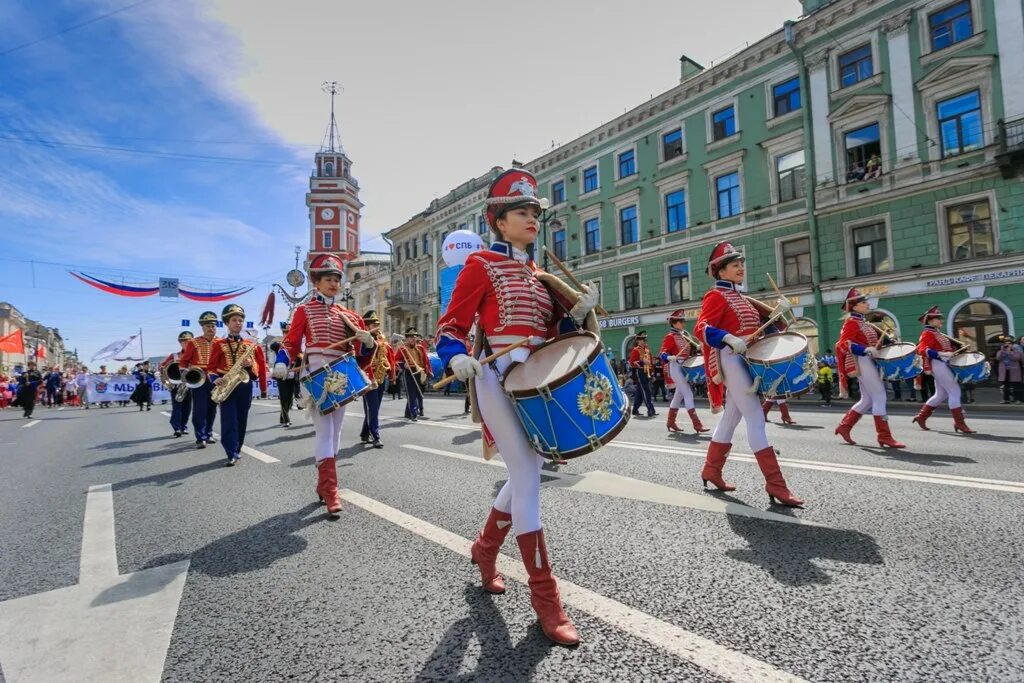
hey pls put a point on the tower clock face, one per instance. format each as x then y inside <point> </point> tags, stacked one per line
<point>327,214</point>
<point>296,278</point>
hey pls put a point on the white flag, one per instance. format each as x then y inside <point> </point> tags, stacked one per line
<point>132,350</point>
<point>110,349</point>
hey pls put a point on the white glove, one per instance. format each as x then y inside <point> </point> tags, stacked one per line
<point>365,338</point>
<point>280,371</point>
<point>870,352</point>
<point>945,355</point>
<point>673,359</point>
<point>735,343</point>
<point>589,299</point>
<point>464,367</point>
<point>783,305</point>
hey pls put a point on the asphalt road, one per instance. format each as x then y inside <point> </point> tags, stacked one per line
<point>904,566</point>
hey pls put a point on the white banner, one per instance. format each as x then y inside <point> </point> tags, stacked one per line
<point>272,390</point>
<point>119,388</point>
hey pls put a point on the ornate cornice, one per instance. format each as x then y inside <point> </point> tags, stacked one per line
<point>898,23</point>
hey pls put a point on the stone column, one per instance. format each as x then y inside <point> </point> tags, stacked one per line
<point>817,70</point>
<point>1010,37</point>
<point>902,80</point>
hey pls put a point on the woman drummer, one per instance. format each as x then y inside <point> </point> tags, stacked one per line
<point>318,324</point>
<point>510,299</point>
<point>935,350</point>
<point>675,348</point>
<point>727,319</point>
<point>855,354</point>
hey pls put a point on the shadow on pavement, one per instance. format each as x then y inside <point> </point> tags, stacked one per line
<point>467,438</point>
<point>126,444</point>
<point>172,478</point>
<point>925,459</point>
<point>286,438</point>
<point>796,427</point>
<point>498,659</point>
<point>182,447</point>
<point>248,550</point>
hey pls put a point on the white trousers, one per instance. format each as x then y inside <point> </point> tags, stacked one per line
<point>946,386</point>
<point>521,493</point>
<point>872,391</point>
<point>327,428</point>
<point>683,395</point>
<point>740,404</point>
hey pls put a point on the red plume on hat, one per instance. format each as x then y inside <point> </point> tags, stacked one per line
<point>853,297</point>
<point>932,312</point>
<point>722,254</point>
<point>678,314</point>
<point>513,188</point>
<point>326,263</point>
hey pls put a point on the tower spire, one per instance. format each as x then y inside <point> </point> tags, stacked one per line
<point>332,137</point>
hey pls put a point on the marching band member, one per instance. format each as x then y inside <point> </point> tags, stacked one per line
<point>766,408</point>
<point>855,353</point>
<point>726,319</point>
<point>414,363</point>
<point>675,348</point>
<point>642,365</point>
<point>143,394</point>
<point>234,410</point>
<point>197,355</point>
<point>380,367</point>
<point>935,350</point>
<point>316,325</point>
<point>511,299</point>
<point>179,409</point>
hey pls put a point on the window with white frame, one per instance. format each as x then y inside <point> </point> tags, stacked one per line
<point>951,24</point>
<point>795,255</point>
<point>672,144</point>
<point>328,239</point>
<point>630,291</point>
<point>723,123</point>
<point>592,235</point>
<point>679,282</point>
<point>727,195</point>
<point>856,65</point>
<point>426,240</point>
<point>629,229</point>
<point>786,97</point>
<point>863,148</point>
<point>558,243</point>
<point>675,210</point>
<point>969,229</point>
<point>481,226</point>
<point>869,243</point>
<point>627,163</point>
<point>789,169</point>
<point>557,192</point>
<point>960,123</point>
<point>591,180</point>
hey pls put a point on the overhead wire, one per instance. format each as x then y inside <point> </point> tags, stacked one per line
<point>73,27</point>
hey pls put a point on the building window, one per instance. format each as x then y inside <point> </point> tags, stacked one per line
<point>590,182</point>
<point>558,243</point>
<point>482,224</point>
<point>592,230</point>
<point>426,240</point>
<point>631,291</point>
<point>426,281</point>
<point>856,66</point>
<point>672,144</point>
<point>675,210</point>
<point>870,249</point>
<point>970,230</point>
<point>679,282</point>
<point>328,239</point>
<point>415,247</point>
<point>329,169</point>
<point>863,153</point>
<point>951,25</point>
<point>727,188</point>
<point>790,169</point>
<point>462,226</point>
<point>796,261</point>
<point>786,96</point>
<point>408,250</point>
<point>723,123</point>
<point>628,225</point>
<point>558,192</point>
<point>960,123</point>
<point>627,164</point>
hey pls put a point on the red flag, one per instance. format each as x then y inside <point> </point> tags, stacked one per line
<point>13,342</point>
<point>41,351</point>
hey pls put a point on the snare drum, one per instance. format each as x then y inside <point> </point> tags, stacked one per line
<point>899,361</point>
<point>336,384</point>
<point>970,367</point>
<point>567,396</point>
<point>693,370</point>
<point>782,365</point>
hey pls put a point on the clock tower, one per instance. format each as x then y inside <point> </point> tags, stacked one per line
<point>333,197</point>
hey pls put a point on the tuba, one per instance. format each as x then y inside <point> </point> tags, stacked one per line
<point>233,377</point>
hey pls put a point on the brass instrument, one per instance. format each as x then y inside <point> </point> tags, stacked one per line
<point>379,365</point>
<point>648,363</point>
<point>172,374</point>
<point>411,365</point>
<point>238,374</point>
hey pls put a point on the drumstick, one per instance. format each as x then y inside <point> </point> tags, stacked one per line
<point>333,346</point>
<point>781,295</point>
<point>489,359</point>
<point>753,336</point>
<point>572,278</point>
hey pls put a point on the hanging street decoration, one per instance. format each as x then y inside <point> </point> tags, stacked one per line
<point>149,290</point>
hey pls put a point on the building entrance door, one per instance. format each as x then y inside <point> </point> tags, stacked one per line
<point>981,324</point>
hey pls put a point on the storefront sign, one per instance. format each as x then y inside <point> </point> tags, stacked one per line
<point>626,321</point>
<point>976,277</point>
<point>874,290</point>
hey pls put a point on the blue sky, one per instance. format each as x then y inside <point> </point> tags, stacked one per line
<point>434,94</point>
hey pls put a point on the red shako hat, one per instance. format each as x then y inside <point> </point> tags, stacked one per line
<point>513,188</point>
<point>678,314</point>
<point>326,263</point>
<point>932,312</point>
<point>853,297</point>
<point>722,254</point>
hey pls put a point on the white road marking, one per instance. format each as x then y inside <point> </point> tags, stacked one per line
<point>425,423</point>
<point>862,470</point>
<point>259,455</point>
<point>615,485</point>
<point>109,627</point>
<point>31,423</point>
<point>60,409</point>
<point>705,653</point>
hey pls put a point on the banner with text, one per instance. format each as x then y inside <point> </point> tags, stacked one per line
<point>119,388</point>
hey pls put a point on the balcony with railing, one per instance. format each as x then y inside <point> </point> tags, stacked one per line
<point>1010,138</point>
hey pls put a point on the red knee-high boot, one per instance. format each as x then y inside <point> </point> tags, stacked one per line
<point>959,424</point>
<point>767,408</point>
<point>327,485</point>
<point>775,484</point>
<point>485,549</point>
<point>922,417</point>
<point>544,590</point>
<point>846,426</point>
<point>671,423</point>
<point>713,464</point>
<point>884,435</point>
<point>784,409</point>
<point>697,426</point>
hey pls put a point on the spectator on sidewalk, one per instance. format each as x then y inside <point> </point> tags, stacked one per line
<point>1010,361</point>
<point>825,379</point>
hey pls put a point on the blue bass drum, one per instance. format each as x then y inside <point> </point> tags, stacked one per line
<point>336,384</point>
<point>899,361</point>
<point>567,396</point>
<point>970,367</point>
<point>693,370</point>
<point>782,365</point>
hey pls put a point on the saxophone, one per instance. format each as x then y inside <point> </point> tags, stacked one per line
<point>233,377</point>
<point>379,365</point>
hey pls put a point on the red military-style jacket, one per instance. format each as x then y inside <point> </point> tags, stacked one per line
<point>674,344</point>
<point>641,359</point>
<point>855,330</point>
<point>171,357</point>
<point>227,350</point>
<point>931,339</point>
<point>196,353</point>
<point>317,324</point>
